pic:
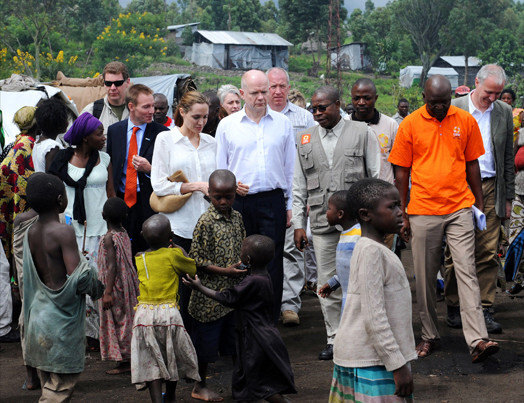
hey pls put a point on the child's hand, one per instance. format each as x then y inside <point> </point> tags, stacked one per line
<point>233,270</point>
<point>403,381</point>
<point>193,283</point>
<point>325,291</point>
<point>107,301</point>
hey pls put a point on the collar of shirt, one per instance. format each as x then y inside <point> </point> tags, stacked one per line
<point>218,216</point>
<point>178,136</point>
<point>373,121</point>
<point>336,130</point>
<point>139,133</point>
<point>425,114</point>
<point>243,115</point>
<point>473,108</point>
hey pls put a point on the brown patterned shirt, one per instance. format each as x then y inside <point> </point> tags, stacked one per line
<point>216,241</point>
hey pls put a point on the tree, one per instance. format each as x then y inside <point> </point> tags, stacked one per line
<point>425,21</point>
<point>37,18</point>
<point>301,20</point>
<point>471,22</point>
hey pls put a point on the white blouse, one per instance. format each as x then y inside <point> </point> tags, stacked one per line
<point>173,151</point>
<point>40,150</point>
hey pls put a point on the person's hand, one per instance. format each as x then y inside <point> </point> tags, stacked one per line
<point>242,189</point>
<point>233,270</point>
<point>300,239</point>
<point>107,301</point>
<point>193,283</point>
<point>403,381</point>
<point>405,231</point>
<point>141,164</point>
<point>508,209</point>
<point>202,187</point>
<point>288,218</point>
<point>324,291</point>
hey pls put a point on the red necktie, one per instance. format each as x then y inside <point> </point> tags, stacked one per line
<point>131,174</point>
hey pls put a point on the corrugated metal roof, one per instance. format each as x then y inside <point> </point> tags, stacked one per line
<point>175,27</point>
<point>244,38</point>
<point>459,61</point>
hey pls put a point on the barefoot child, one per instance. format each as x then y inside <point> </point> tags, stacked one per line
<point>116,271</point>
<point>217,240</point>
<point>56,280</point>
<point>262,369</point>
<point>375,342</point>
<point>161,349</point>
<point>338,214</point>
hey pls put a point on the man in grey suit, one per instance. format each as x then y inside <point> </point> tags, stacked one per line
<point>497,171</point>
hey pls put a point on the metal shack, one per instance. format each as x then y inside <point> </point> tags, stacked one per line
<point>231,50</point>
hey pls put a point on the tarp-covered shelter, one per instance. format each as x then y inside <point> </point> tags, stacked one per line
<point>350,57</point>
<point>410,75</point>
<point>19,91</point>
<point>86,90</point>
<point>231,50</point>
<point>458,63</point>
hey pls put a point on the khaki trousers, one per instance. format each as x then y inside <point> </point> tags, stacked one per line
<point>426,248</point>
<point>325,252</point>
<point>486,258</point>
<point>57,388</point>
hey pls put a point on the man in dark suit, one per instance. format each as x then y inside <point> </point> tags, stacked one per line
<point>497,171</point>
<point>130,144</point>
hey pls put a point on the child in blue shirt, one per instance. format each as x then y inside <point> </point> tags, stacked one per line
<point>338,215</point>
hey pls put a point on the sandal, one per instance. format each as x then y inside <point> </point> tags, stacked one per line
<point>483,350</point>
<point>426,347</point>
<point>515,289</point>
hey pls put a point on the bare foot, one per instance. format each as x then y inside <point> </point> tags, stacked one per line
<point>121,368</point>
<point>205,394</point>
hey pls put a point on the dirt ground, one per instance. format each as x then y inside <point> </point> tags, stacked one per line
<point>445,376</point>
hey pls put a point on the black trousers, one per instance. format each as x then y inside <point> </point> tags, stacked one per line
<point>264,213</point>
<point>136,216</point>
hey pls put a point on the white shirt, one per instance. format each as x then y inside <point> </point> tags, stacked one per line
<point>486,161</point>
<point>40,150</point>
<point>329,139</point>
<point>174,151</point>
<point>299,117</point>
<point>261,155</point>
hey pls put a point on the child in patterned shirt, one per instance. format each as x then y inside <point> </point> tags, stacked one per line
<point>217,240</point>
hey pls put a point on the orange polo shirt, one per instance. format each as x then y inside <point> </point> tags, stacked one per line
<point>437,153</point>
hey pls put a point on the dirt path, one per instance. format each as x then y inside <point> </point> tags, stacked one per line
<point>446,376</point>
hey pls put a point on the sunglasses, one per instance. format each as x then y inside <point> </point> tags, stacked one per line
<point>320,108</point>
<point>117,83</point>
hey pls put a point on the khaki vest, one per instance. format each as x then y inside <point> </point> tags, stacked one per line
<point>349,166</point>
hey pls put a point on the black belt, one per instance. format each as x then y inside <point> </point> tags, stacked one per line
<point>260,195</point>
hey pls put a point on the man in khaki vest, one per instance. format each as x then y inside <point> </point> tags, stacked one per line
<point>330,157</point>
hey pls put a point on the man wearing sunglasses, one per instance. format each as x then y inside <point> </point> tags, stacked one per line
<point>330,157</point>
<point>112,108</point>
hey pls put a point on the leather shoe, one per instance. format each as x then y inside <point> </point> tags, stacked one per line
<point>491,325</point>
<point>290,318</point>
<point>454,320</point>
<point>327,353</point>
<point>483,350</point>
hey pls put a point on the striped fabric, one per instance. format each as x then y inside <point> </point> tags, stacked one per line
<point>366,385</point>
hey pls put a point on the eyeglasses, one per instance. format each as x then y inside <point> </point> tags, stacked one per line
<point>320,108</point>
<point>117,83</point>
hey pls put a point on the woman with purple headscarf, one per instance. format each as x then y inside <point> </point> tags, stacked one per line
<point>87,175</point>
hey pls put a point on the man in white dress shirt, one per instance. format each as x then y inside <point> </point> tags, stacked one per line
<point>294,272</point>
<point>257,145</point>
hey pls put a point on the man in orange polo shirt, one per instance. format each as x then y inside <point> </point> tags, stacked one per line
<point>439,144</point>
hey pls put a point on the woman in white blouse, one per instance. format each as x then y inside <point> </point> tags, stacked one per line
<point>185,148</point>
